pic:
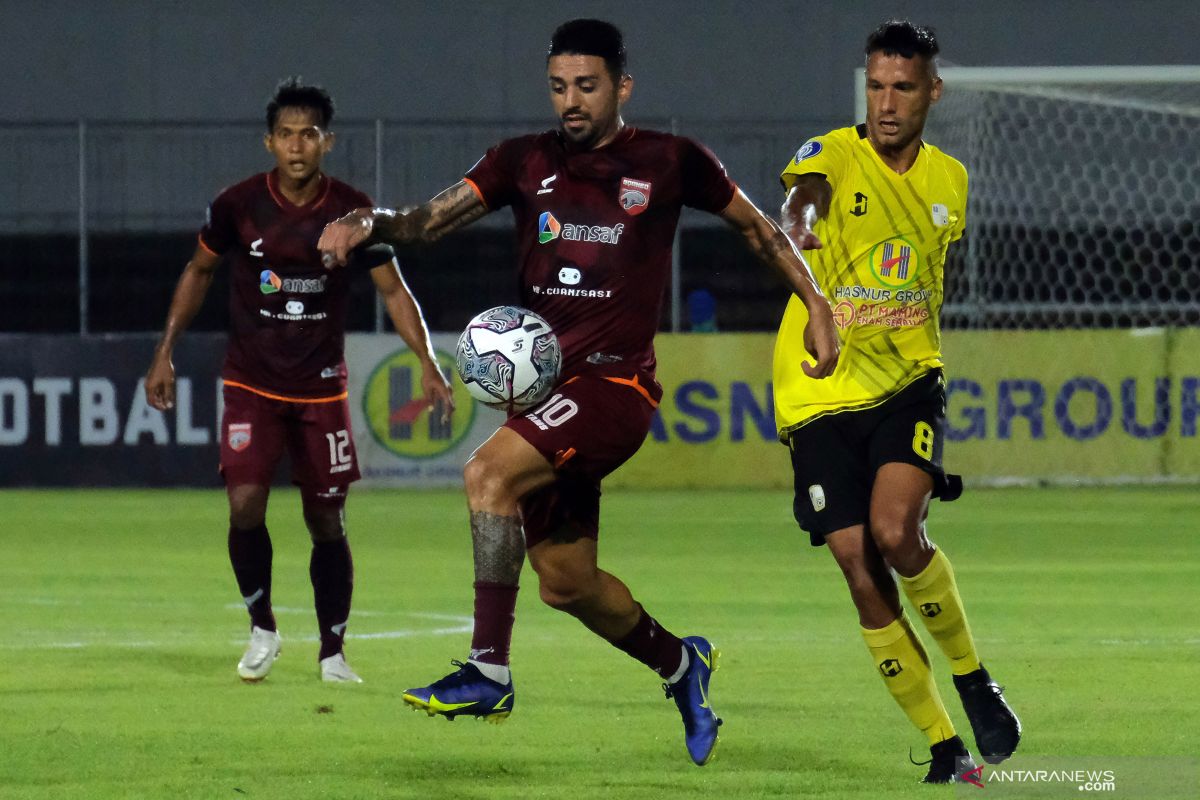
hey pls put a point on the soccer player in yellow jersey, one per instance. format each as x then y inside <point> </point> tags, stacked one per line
<point>877,208</point>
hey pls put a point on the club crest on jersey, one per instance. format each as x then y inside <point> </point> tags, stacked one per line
<point>635,196</point>
<point>269,282</point>
<point>808,150</point>
<point>239,436</point>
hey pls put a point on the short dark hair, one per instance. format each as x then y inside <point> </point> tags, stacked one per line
<point>291,93</point>
<point>590,37</point>
<point>899,37</point>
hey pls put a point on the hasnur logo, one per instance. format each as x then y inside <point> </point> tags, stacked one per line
<point>895,262</point>
<point>398,416</point>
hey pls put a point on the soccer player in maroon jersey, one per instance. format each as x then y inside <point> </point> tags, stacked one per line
<point>284,372</point>
<point>596,204</point>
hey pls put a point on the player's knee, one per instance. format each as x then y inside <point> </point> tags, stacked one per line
<point>563,595</point>
<point>486,480</point>
<point>562,588</point>
<point>560,597</point>
<point>324,524</point>
<point>900,542</point>
<point>247,507</point>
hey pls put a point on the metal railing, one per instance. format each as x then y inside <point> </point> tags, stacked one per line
<point>153,177</point>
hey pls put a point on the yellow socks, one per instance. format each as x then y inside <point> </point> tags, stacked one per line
<point>934,594</point>
<point>904,666</point>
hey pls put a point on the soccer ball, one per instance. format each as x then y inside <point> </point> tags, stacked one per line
<point>508,358</point>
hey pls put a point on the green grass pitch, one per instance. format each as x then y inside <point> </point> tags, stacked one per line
<point>123,628</point>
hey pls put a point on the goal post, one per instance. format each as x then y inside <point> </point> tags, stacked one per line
<point>1084,208</point>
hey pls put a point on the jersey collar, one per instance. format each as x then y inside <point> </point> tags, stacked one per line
<point>918,164</point>
<point>288,205</point>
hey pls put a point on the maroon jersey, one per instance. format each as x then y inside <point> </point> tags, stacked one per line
<point>595,230</point>
<point>287,312</point>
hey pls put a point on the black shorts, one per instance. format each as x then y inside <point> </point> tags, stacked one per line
<point>835,457</point>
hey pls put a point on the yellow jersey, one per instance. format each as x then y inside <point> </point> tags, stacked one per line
<point>884,241</point>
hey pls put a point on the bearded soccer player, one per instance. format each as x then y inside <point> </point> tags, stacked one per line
<point>284,373</point>
<point>878,208</point>
<point>596,204</point>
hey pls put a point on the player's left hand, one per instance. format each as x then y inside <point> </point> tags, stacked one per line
<point>437,391</point>
<point>343,235</point>
<point>160,383</point>
<point>821,340</point>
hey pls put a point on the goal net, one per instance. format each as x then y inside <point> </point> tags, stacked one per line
<point>1084,208</point>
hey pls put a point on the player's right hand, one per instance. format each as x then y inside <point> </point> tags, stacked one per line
<point>805,239</point>
<point>160,383</point>
<point>822,341</point>
<point>343,235</point>
<point>437,391</point>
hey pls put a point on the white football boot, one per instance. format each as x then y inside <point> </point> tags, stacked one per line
<point>335,670</point>
<point>260,655</point>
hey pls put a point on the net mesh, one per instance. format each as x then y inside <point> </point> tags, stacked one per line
<point>1083,208</point>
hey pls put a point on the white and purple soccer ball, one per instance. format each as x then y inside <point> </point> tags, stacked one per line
<point>508,358</point>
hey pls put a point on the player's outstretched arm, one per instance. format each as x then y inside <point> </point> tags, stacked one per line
<point>448,211</point>
<point>768,241</point>
<point>189,296</point>
<point>406,316</point>
<point>806,202</point>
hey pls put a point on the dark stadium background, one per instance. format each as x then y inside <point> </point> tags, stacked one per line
<point>753,80</point>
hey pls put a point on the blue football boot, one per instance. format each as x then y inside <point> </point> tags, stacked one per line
<point>467,691</point>
<point>690,694</point>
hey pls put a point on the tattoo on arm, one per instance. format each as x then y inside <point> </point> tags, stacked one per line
<point>448,211</point>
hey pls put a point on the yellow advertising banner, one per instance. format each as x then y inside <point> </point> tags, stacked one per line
<point>716,423</point>
<point>1022,405</point>
<point>1059,405</point>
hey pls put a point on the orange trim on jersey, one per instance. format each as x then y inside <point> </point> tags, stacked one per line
<point>563,456</point>
<point>633,382</point>
<point>270,396</point>
<point>206,247</point>
<point>478,193</point>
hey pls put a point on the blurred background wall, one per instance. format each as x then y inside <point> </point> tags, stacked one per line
<point>711,59</point>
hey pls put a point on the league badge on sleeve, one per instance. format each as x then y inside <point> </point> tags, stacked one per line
<point>635,196</point>
<point>940,214</point>
<point>808,150</point>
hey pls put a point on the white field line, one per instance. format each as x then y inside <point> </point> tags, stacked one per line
<point>464,625</point>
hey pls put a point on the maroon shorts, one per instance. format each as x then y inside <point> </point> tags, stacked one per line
<point>591,425</point>
<point>255,429</point>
